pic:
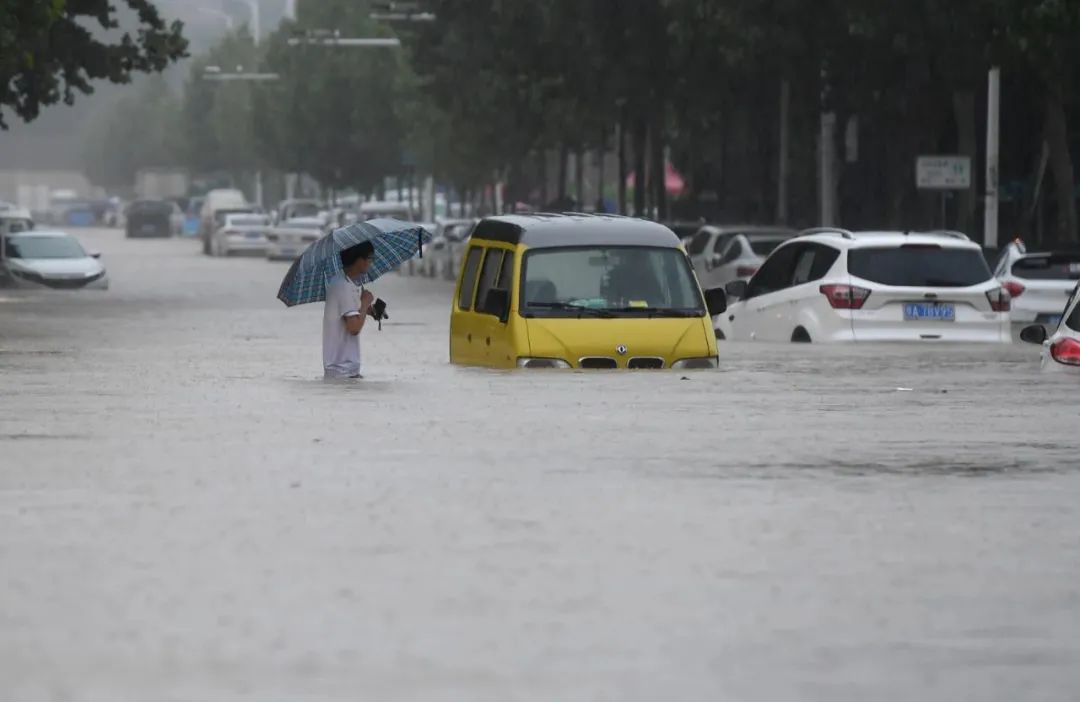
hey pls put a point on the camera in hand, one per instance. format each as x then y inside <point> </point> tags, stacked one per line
<point>378,311</point>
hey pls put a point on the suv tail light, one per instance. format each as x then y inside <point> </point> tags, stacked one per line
<point>845,297</point>
<point>745,271</point>
<point>1000,299</point>
<point>1066,351</point>
<point>1015,289</point>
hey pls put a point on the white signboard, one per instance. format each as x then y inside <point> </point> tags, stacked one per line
<point>943,173</point>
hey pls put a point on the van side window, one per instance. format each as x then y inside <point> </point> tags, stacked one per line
<point>468,278</point>
<point>506,275</point>
<point>488,275</point>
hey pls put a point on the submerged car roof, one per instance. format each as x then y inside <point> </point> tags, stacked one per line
<point>544,230</point>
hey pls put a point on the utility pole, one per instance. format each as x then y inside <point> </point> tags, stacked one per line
<point>993,146</point>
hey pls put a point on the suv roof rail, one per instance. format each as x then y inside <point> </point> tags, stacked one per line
<point>826,230</point>
<point>947,232</point>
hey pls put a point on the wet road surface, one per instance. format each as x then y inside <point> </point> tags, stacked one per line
<point>187,512</point>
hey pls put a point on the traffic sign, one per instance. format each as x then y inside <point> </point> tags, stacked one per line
<point>943,172</point>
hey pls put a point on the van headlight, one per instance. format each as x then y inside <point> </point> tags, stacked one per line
<point>696,363</point>
<point>527,362</point>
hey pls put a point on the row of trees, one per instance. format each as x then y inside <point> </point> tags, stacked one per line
<point>704,78</point>
<point>508,91</point>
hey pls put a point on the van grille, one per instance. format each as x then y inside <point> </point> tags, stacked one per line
<point>597,362</point>
<point>645,362</point>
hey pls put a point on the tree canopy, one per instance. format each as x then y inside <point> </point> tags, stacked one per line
<point>52,50</point>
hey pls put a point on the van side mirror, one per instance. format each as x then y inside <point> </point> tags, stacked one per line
<point>497,303</point>
<point>1034,334</point>
<point>716,301</point>
<point>736,289</point>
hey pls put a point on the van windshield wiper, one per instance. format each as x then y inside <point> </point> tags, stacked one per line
<point>570,306</point>
<point>658,311</point>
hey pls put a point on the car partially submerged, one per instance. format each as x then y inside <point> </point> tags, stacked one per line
<point>50,259</point>
<point>833,285</point>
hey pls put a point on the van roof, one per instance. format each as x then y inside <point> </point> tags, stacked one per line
<point>548,230</point>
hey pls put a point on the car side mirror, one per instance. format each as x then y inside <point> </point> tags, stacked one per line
<point>497,303</point>
<point>715,301</point>
<point>1035,334</point>
<point>736,289</point>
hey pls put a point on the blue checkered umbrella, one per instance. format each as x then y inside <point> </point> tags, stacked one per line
<point>395,242</point>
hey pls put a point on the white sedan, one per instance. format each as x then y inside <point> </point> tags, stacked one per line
<point>241,233</point>
<point>50,259</point>
<point>1061,351</point>
<point>288,239</point>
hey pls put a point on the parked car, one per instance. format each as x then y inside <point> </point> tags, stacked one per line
<point>721,254</point>
<point>375,209</point>
<point>50,259</point>
<point>157,218</point>
<point>15,219</point>
<point>451,235</point>
<point>241,233</point>
<point>1061,349</point>
<point>215,204</point>
<point>832,285</point>
<point>1038,282</point>
<point>580,291</point>
<point>288,240</point>
<point>297,207</point>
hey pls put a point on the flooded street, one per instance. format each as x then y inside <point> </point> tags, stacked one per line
<point>188,512</point>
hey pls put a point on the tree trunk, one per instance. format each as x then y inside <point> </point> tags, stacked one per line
<point>659,165</point>
<point>621,168</point>
<point>543,179</point>
<point>964,112</point>
<point>564,156</point>
<point>601,158</point>
<point>1061,165</point>
<point>579,178</point>
<point>640,134</point>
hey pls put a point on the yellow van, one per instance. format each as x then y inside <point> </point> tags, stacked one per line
<point>580,291</point>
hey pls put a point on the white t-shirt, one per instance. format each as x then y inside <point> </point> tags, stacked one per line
<point>340,349</point>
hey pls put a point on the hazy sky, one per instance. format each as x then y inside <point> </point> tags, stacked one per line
<point>53,141</point>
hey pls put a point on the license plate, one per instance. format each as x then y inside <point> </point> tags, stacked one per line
<point>930,311</point>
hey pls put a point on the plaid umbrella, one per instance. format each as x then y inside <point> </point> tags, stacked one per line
<point>395,242</point>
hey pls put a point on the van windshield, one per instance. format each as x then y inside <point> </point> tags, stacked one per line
<point>620,280</point>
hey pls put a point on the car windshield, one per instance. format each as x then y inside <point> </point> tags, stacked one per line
<point>1052,267</point>
<point>919,266</point>
<point>624,280</point>
<point>763,246</point>
<point>44,247</point>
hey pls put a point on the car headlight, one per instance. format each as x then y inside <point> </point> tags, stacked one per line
<point>696,363</point>
<point>542,363</point>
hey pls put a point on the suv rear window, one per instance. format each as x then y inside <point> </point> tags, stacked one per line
<point>1052,267</point>
<point>919,266</point>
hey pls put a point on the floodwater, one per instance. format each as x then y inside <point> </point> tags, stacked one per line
<point>188,513</point>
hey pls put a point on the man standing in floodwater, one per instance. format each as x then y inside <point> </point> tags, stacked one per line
<point>347,306</point>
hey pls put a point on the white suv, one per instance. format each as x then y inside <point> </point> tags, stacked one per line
<point>1040,283</point>
<point>832,285</point>
<point>1061,351</point>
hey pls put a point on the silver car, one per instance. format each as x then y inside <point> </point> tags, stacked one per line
<point>50,259</point>
<point>721,254</point>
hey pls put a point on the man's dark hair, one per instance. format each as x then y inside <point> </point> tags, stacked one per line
<point>365,249</point>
